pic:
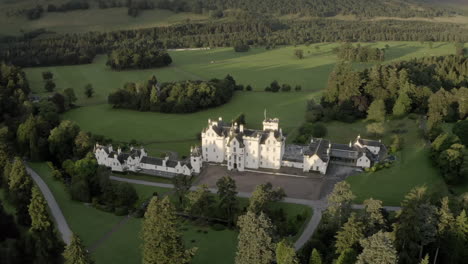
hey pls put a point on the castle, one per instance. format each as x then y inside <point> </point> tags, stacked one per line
<point>240,148</point>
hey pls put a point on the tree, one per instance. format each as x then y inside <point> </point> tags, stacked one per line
<point>402,105</point>
<point>450,162</point>
<point>83,144</point>
<point>255,239</point>
<point>461,130</point>
<point>378,249</point>
<point>199,202</point>
<point>347,257</point>
<point>376,111</point>
<point>61,139</point>
<point>162,242</point>
<point>70,97</point>
<point>240,119</point>
<point>299,53</point>
<point>397,143</point>
<point>349,235</point>
<point>274,86</point>
<point>49,86</point>
<point>89,90</point>
<point>416,225</point>
<point>76,253</point>
<point>181,187</point>
<point>373,218</point>
<point>315,257</point>
<point>38,211</point>
<point>19,189</point>
<point>339,203</point>
<point>285,253</point>
<point>375,129</point>
<point>263,195</point>
<point>227,197</point>
<point>47,75</point>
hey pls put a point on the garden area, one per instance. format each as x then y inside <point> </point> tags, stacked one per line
<point>104,233</point>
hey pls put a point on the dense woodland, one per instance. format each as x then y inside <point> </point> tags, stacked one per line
<point>70,49</point>
<point>174,97</point>
<point>314,8</point>
<point>428,229</point>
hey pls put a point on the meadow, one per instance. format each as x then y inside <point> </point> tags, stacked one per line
<point>258,67</point>
<point>115,239</point>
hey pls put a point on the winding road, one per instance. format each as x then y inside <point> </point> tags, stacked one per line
<point>57,214</point>
<point>318,206</point>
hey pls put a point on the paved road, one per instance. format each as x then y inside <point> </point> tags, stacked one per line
<point>62,224</point>
<point>318,207</point>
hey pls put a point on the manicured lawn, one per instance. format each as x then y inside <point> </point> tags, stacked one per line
<point>412,168</point>
<point>123,245</point>
<point>178,131</point>
<point>257,67</point>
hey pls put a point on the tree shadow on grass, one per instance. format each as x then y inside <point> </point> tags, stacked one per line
<point>395,53</point>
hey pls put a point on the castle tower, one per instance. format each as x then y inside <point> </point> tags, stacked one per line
<point>196,159</point>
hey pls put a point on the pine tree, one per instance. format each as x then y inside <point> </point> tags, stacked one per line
<point>373,218</point>
<point>425,260</point>
<point>76,253</point>
<point>162,242</point>
<point>402,105</point>
<point>285,253</point>
<point>227,197</point>
<point>199,202</point>
<point>255,239</point>
<point>347,257</point>
<point>263,195</point>
<point>38,211</point>
<point>378,249</point>
<point>315,257</point>
<point>339,202</point>
<point>376,111</point>
<point>349,235</point>
<point>19,188</point>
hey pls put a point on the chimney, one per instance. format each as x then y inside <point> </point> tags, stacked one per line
<point>220,119</point>
<point>241,128</point>
<point>209,121</point>
<point>119,151</point>
<point>358,136</point>
<point>350,144</point>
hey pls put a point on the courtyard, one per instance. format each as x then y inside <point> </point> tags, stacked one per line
<point>310,186</point>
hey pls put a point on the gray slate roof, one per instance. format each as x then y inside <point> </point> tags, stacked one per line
<point>318,146</point>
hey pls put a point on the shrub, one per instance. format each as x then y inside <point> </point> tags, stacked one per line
<point>218,227</point>
<point>319,130</point>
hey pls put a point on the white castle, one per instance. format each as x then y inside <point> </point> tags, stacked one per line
<point>242,148</point>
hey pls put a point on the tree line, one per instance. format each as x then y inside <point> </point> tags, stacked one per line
<point>427,229</point>
<point>359,53</point>
<point>72,49</point>
<point>173,97</point>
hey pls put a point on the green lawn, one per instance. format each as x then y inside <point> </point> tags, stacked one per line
<point>412,168</point>
<point>257,67</point>
<point>123,245</point>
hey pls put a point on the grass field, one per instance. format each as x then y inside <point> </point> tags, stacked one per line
<point>122,245</point>
<point>257,67</point>
<point>80,21</point>
<point>412,168</point>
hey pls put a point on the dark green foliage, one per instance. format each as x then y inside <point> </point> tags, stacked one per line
<point>240,119</point>
<point>299,53</point>
<point>348,52</point>
<point>240,46</point>
<point>227,198</point>
<point>461,130</point>
<point>309,130</point>
<point>176,97</point>
<point>14,89</point>
<point>47,75</point>
<point>19,191</point>
<point>138,57</point>
<point>49,86</point>
<point>182,186</point>
<point>89,90</point>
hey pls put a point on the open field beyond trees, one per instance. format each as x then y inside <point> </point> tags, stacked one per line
<point>115,239</point>
<point>258,67</point>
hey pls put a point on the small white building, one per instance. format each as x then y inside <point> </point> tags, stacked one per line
<point>138,160</point>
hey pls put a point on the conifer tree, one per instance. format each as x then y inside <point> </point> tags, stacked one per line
<point>227,197</point>
<point>378,249</point>
<point>349,235</point>
<point>402,105</point>
<point>425,260</point>
<point>373,218</point>
<point>40,220</point>
<point>285,253</point>
<point>315,257</point>
<point>162,242</point>
<point>347,257</point>
<point>339,202</point>
<point>76,253</point>
<point>255,239</point>
<point>263,195</point>
<point>376,111</point>
<point>199,202</point>
<point>19,186</point>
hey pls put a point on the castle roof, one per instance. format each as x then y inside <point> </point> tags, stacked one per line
<point>319,147</point>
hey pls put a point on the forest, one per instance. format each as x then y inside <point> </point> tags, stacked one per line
<point>348,52</point>
<point>174,97</point>
<point>37,49</point>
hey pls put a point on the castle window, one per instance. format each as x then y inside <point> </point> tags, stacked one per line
<point>234,149</point>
